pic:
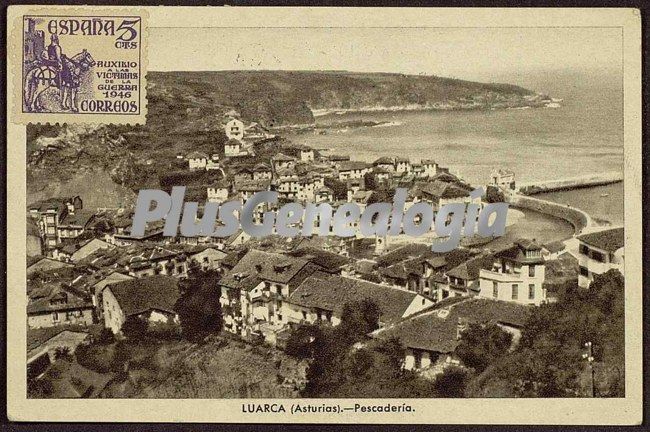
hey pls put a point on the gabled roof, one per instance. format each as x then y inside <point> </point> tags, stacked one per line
<point>45,264</point>
<point>436,329</point>
<point>281,157</point>
<point>353,165</point>
<point>257,266</point>
<point>140,295</point>
<point>517,252</point>
<point>330,261</point>
<point>470,269</point>
<point>79,218</point>
<point>261,167</point>
<point>555,246</point>
<point>439,189</point>
<point>197,155</point>
<point>252,185</point>
<point>331,293</point>
<point>384,160</point>
<point>609,240</point>
<point>111,278</point>
<point>58,300</point>
<point>57,204</point>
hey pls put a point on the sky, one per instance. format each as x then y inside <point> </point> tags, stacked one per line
<point>484,54</point>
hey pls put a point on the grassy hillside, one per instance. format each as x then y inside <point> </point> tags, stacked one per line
<point>287,97</point>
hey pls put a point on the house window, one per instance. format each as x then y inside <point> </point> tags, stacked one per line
<point>304,315</point>
<point>531,291</point>
<point>584,272</point>
<point>515,291</point>
<point>495,289</point>
<point>584,249</point>
<point>417,355</point>
<point>55,316</point>
<point>531,271</point>
<point>597,256</point>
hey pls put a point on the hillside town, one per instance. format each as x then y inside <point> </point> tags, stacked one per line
<point>89,279</point>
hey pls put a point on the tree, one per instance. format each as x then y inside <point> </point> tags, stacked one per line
<point>451,382</point>
<point>480,345</point>
<point>135,327</point>
<point>548,359</point>
<point>358,319</point>
<point>300,343</point>
<point>494,195</point>
<point>393,350</point>
<point>199,308</point>
<point>63,353</point>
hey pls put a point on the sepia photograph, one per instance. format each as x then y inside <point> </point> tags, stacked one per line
<point>348,216</point>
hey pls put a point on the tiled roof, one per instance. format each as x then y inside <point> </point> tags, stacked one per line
<point>79,219</point>
<point>282,157</point>
<point>139,295</point>
<point>609,240</point>
<point>333,292</point>
<point>555,246</point>
<point>384,160</point>
<point>436,329</point>
<point>112,278</point>
<point>58,300</point>
<point>353,165</point>
<point>328,260</point>
<point>197,155</point>
<point>46,264</point>
<point>258,265</point>
<point>517,252</point>
<point>470,269</point>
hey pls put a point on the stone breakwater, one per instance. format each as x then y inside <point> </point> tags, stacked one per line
<point>569,184</point>
<point>579,219</point>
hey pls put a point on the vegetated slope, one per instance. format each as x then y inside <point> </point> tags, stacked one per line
<point>287,97</point>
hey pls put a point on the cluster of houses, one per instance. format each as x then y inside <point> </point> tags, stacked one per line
<point>85,270</point>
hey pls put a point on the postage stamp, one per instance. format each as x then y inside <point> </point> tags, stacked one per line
<point>80,66</point>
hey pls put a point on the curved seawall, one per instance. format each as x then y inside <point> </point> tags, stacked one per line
<point>576,217</point>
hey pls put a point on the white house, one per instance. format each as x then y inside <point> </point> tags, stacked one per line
<point>232,148</point>
<point>402,165</point>
<point>504,179</point>
<point>152,299</point>
<point>352,170</point>
<point>430,167</point>
<point>306,154</point>
<point>197,160</point>
<point>517,274</point>
<point>208,258</point>
<point>599,252</point>
<point>218,192</point>
<point>235,129</point>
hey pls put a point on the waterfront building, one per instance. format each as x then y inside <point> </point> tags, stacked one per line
<point>502,178</point>
<point>599,252</point>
